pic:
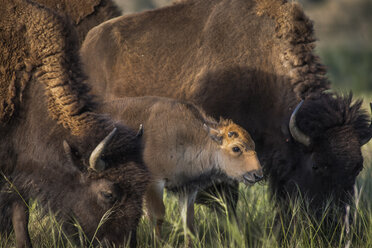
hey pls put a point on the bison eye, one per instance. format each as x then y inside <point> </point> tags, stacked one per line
<point>236,149</point>
<point>107,195</point>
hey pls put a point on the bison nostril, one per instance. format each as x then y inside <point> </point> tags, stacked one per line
<point>253,176</point>
<point>257,177</point>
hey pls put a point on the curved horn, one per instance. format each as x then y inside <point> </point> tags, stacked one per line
<point>67,149</point>
<point>296,133</point>
<point>95,161</point>
<point>140,131</point>
<point>365,140</point>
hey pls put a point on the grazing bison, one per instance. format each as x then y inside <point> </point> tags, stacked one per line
<point>84,14</point>
<point>185,150</point>
<point>54,146</point>
<point>251,61</point>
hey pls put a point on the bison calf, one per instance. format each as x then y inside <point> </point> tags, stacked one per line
<point>186,150</point>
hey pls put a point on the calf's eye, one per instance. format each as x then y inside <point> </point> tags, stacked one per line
<point>236,149</point>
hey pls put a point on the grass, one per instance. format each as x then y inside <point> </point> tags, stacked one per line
<point>255,225</point>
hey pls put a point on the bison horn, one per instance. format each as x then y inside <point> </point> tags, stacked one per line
<point>67,149</point>
<point>296,133</point>
<point>365,140</point>
<point>95,161</point>
<point>140,131</point>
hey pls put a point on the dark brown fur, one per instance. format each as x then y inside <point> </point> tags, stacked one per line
<point>250,61</point>
<point>38,55</point>
<point>84,14</point>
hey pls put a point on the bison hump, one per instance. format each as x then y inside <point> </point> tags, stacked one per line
<point>15,64</point>
<point>76,9</point>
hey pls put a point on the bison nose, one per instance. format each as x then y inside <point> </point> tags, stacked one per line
<point>258,175</point>
<point>253,176</point>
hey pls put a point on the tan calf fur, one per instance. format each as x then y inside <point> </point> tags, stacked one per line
<point>186,150</point>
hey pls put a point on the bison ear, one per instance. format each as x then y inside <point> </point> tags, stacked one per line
<point>213,133</point>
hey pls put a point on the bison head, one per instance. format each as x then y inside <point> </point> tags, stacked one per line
<point>328,132</point>
<point>111,205</point>
<point>108,203</point>
<point>236,151</point>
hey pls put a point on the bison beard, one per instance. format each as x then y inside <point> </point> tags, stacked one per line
<point>249,61</point>
<point>49,130</point>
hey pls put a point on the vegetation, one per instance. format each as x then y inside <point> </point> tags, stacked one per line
<point>344,41</point>
<point>349,68</point>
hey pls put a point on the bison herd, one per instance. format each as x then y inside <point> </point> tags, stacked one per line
<point>100,112</point>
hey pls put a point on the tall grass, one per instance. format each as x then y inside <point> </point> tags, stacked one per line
<point>255,225</point>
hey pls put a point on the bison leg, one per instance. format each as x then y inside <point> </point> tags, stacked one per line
<point>20,216</point>
<point>186,202</point>
<point>155,205</point>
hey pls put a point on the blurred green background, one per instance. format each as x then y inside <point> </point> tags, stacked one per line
<point>344,32</point>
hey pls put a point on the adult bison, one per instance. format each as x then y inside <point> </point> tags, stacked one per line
<point>54,147</point>
<point>248,60</point>
<point>83,15</point>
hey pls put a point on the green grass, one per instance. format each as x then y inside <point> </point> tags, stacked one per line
<point>255,225</point>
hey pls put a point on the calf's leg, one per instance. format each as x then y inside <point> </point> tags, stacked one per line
<point>20,216</point>
<point>155,205</point>
<point>186,202</point>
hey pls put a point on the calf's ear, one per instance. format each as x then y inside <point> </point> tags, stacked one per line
<point>213,133</point>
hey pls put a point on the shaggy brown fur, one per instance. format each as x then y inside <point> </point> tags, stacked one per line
<point>42,74</point>
<point>15,71</point>
<point>296,38</point>
<point>68,100</point>
<point>247,60</point>
<point>282,43</point>
<point>84,14</point>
